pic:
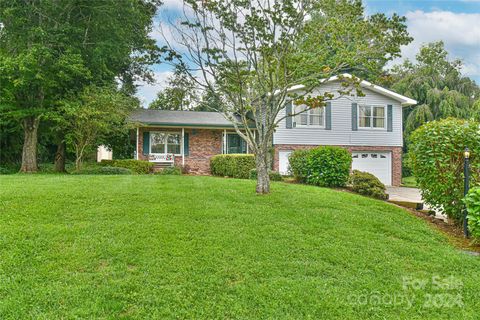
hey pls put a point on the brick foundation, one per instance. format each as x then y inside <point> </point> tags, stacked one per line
<point>396,156</point>
<point>203,144</point>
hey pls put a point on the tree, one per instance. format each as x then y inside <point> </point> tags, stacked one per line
<point>437,84</point>
<point>250,53</point>
<point>180,93</point>
<point>52,49</point>
<point>95,115</point>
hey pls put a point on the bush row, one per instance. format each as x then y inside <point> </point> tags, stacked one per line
<point>107,170</point>
<point>232,165</point>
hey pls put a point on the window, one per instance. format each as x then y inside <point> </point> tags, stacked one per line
<point>163,142</point>
<point>371,117</point>
<point>235,144</point>
<point>313,117</point>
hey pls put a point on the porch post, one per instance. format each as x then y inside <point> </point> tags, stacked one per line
<point>224,141</point>
<point>136,145</point>
<point>183,147</point>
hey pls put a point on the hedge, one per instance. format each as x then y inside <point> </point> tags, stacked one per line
<point>136,166</point>
<point>436,157</point>
<point>326,166</point>
<point>104,170</point>
<point>472,202</point>
<point>232,165</point>
<point>175,171</point>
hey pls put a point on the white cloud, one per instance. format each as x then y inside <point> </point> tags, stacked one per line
<point>459,31</point>
<point>147,92</point>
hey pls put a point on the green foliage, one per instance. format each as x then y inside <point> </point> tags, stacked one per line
<point>472,202</point>
<point>136,166</point>
<point>298,160</point>
<point>326,166</point>
<point>174,171</point>
<point>104,170</point>
<point>232,165</point>
<point>437,84</point>
<point>367,184</point>
<point>180,93</point>
<point>436,158</point>
<point>273,175</point>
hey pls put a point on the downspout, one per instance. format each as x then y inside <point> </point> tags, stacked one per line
<point>183,147</point>
<point>136,146</point>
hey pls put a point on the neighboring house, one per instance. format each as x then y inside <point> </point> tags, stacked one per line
<point>370,127</point>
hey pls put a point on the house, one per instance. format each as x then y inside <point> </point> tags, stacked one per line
<point>369,126</point>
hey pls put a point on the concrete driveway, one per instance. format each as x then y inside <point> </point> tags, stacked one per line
<point>410,195</point>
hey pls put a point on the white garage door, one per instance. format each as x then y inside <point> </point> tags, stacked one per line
<point>377,163</point>
<point>283,162</point>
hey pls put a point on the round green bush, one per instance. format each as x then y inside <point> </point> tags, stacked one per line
<point>367,184</point>
<point>328,166</point>
<point>472,202</point>
<point>436,158</point>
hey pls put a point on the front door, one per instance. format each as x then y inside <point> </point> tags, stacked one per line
<point>235,144</point>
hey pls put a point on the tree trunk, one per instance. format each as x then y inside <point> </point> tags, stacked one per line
<point>29,153</point>
<point>263,180</point>
<point>60,157</point>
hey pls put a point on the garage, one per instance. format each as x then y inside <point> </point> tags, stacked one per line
<point>377,163</point>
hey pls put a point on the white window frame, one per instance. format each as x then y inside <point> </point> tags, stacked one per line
<point>308,125</point>
<point>166,141</point>
<point>371,127</point>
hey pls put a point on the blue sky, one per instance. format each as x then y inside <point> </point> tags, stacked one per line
<point>457,23</point>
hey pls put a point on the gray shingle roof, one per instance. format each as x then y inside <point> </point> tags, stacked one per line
<point>180,118</point>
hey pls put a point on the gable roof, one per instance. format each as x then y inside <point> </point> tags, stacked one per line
<point>404,101</point>
<point>180,118</point>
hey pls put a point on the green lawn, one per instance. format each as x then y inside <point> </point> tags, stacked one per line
<point>157,247</point>
<point>409,182</point>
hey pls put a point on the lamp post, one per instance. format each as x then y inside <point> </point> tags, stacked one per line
<point>466,187</point>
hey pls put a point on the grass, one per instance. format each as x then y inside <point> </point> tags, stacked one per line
<point>160,247</point>
<point>409,182</point>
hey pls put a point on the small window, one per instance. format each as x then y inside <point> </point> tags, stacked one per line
<point>309,118</point>
<point>383,156</point>
<point>355,156</point>
<point>374,155</point>
<point>364,155</point>
<point>371,117</point>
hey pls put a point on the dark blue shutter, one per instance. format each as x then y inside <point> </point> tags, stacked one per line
<point>146,143</point>
<point>354,117</point>
<point>185,144</point>
<point>389,118</point>
<point>289,119</point>
<point>328,116</point>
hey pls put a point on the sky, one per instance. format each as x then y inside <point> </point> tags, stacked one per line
<point>456,23</point>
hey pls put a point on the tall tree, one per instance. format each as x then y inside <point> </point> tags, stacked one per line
<point>50,49</point>
<point>180,93</point>
<point>438,85</point>
<point>250,53</point>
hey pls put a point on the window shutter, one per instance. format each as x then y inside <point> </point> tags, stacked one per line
<point>354,117</point>
<point>389,118</point>
<point>328,116</point>
<point>289,119</point>
<point>146,143</point>
<point>186,144</point>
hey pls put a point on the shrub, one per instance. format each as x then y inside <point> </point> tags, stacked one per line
<point>106,162</point>
<point>299,164</point>
<point>436,158</point>
<point>136,166</point>
<point>472,202</point>
<point>104,170</point>
<point>274,175</point>
<point>328,166</point>
<point>367,184</point>
<point>232,165</point>
<point>170,171</point>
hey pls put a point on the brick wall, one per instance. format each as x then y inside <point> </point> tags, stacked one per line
<point>203,144</point>
<point>396,156</point>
